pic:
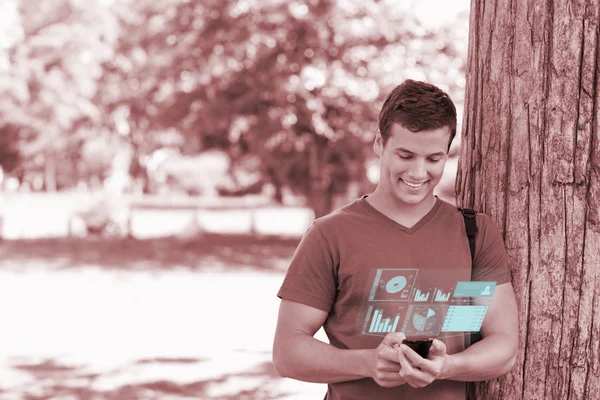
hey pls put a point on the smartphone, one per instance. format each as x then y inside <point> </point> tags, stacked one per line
<point>421,347</point>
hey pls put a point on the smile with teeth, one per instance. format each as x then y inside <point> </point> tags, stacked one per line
<point>413,185</point>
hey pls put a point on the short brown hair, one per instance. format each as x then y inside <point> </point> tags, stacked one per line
<point>417,106</point>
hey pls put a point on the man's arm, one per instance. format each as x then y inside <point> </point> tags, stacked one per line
<point>496,353</point>
<point>298,355</point>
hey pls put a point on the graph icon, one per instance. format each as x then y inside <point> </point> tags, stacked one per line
<point>396,284</point>
<point>424,320</point>
<point>382,323</point>
<point>393,284</point>
<point>441,296</point>
<point>420,296</point>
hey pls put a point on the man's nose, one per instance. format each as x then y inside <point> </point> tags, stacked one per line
<point>417,171</point>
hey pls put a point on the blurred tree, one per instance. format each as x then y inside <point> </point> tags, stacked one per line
<point>10,156</point>
<point>291,88</point>
<point>530,159</point>
<point>294,85</point>
<point>50,66</point>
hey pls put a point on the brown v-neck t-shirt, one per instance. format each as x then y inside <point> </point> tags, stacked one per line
<point>342,255</point>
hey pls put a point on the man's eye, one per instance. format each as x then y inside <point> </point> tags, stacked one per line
<point>434,160</point>
<point>404,157</point>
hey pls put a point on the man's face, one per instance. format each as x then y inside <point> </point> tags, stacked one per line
<point>412,163</point>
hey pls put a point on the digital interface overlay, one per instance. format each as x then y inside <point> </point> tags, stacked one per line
<point>424,303</point>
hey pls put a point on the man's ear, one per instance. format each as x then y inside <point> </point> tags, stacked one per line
<point>378,144</point>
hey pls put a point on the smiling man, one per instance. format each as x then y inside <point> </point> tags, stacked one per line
<point>365,273</point>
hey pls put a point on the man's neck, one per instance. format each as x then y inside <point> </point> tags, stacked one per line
<point>406,215</point>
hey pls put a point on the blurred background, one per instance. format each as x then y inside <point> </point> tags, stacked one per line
<point>160,161</point>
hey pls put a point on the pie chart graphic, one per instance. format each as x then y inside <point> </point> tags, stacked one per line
<point>424,319</point>
<point>395,284</point>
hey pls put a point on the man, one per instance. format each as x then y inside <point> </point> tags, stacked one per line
<point>401,224</point>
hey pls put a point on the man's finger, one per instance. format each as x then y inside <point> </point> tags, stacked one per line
<point>389,366</point>
<point>411,375</point>
<point>415,359</point>
<point>438,349</point>
<point>394,338</point>
<point>405,366</point>
<point>417,362</point>
<point>389,354</point>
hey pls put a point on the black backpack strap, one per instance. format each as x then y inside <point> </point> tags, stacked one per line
<point>471,228</point>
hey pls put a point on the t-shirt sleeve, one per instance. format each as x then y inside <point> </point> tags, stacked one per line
<point>311,277</point>
<point>491,261</point>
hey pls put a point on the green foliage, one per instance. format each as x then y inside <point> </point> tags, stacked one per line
<point>51,70</point>
<point>294,85</point>
<point>291,88</point>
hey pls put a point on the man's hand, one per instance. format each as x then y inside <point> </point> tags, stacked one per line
<point>383,361</point>
<point>418,371</point>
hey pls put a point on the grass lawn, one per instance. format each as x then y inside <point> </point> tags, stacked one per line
<point>209,252</point>
<point>152,319</point>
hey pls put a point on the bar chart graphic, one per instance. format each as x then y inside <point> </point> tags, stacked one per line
<point>441,296</point>
<point>381,323</point>
<point>420,296</point>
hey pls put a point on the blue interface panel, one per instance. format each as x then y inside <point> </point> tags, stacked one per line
<point>422,303</point>
<point>464,318</point>
<point>474,289</point>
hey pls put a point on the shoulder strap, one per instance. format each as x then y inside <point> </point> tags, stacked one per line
<point>469,216</point>
<point>471,228</point>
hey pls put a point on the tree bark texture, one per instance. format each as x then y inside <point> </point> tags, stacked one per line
<point>530,158</point>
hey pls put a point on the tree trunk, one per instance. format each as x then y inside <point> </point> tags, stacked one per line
<point>320,196</point>
<point>275,180</point>
<point>321,203</point>
<point>50,172</point>
<point>530,158</point>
